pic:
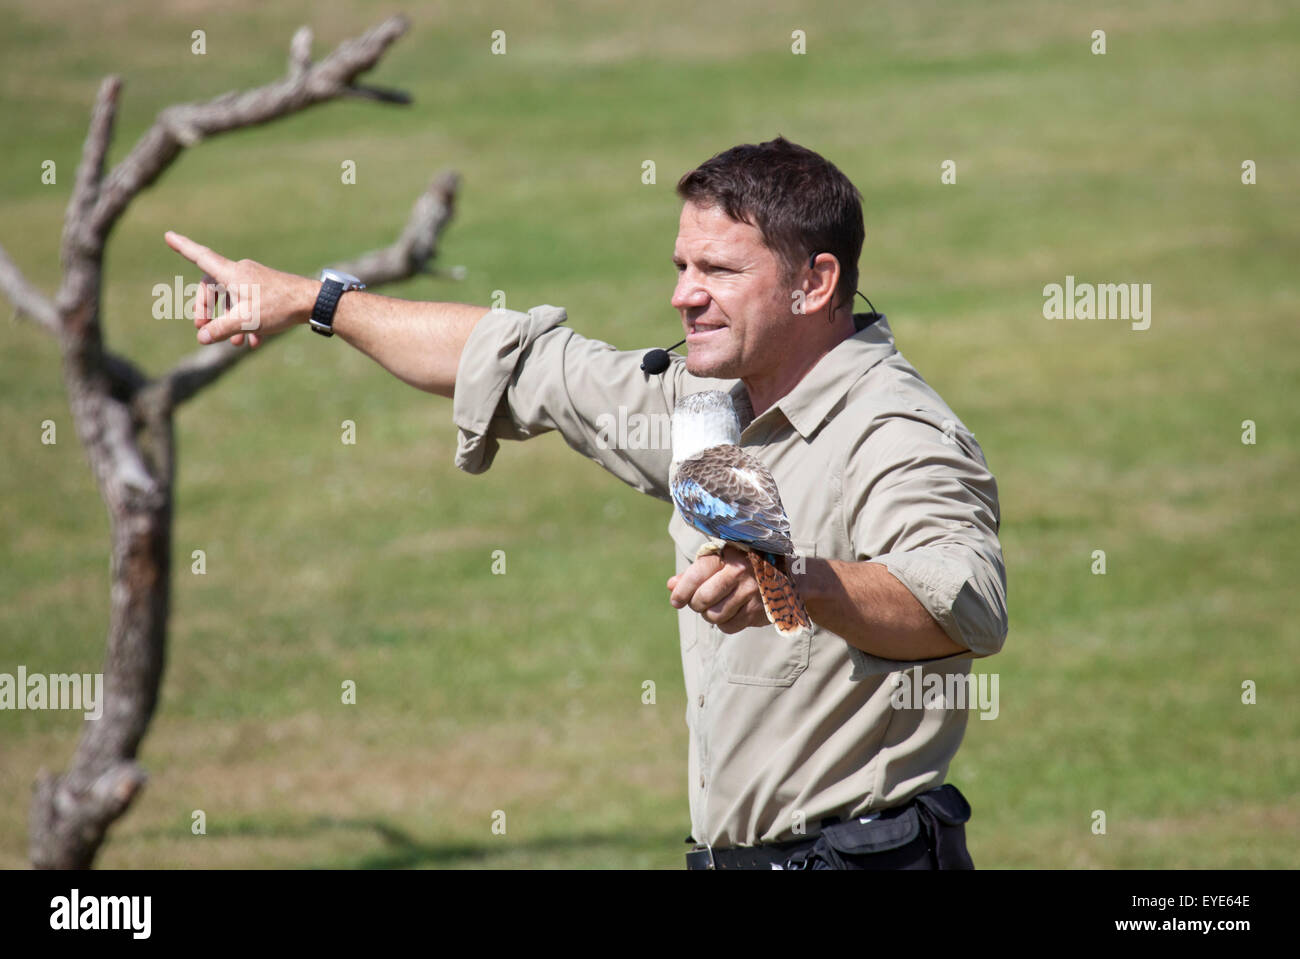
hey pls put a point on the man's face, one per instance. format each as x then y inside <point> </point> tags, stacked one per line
<point>733,295</point>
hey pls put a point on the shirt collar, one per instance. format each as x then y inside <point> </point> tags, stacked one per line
<point>808,405</point>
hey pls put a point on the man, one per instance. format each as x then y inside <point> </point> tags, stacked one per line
<point>801,754</point>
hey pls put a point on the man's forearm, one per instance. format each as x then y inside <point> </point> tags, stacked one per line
<point>872,610</point>
<point>419,343</point>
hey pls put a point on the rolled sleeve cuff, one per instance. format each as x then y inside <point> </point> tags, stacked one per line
<point>488,363</point>
<point>967,604</point>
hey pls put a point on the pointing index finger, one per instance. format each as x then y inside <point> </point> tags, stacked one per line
<point>207,260</point>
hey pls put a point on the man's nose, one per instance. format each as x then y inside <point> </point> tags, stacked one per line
<point>688,294</point>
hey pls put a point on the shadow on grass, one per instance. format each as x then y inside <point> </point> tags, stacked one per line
<point>404,851</point>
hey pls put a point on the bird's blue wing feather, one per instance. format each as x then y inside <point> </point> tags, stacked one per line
<point>736,522</point>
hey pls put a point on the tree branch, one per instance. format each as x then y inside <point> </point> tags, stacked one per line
<point>185,124</point>
<point>95,384</point>
<point>27,300</point>
<point>300,53</point>
<point>82,250</point>
<point>90,172</point>
<point>415,249</point>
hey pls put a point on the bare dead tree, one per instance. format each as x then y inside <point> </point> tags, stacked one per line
<point>125,419</point>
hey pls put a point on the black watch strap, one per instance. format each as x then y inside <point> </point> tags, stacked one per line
<point>327,301</point>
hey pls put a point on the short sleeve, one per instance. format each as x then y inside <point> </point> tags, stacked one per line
<point>919,500</point>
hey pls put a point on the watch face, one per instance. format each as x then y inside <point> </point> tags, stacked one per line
<point>347,279</point>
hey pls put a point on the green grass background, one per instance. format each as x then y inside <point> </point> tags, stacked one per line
<point>522,692</point>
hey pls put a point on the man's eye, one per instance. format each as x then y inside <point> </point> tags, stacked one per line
<point>711,268</point>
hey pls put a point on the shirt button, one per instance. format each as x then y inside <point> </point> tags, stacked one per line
<point>701,781</point>
<point>701,700</point>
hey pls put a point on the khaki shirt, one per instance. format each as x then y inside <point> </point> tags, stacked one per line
<point>871,465</point>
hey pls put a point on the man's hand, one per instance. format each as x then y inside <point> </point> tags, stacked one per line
<point>257,298</point>
<point>722,590</point>
<point>861,601</point>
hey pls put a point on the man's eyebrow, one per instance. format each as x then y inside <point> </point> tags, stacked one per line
<point>704,261</point>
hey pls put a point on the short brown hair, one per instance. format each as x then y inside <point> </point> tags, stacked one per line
<point>799,201</point>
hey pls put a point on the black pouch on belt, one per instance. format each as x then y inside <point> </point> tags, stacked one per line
<point>946,811</point>
<point>925,833</point>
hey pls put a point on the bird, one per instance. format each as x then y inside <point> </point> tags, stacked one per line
<point>726,493</point>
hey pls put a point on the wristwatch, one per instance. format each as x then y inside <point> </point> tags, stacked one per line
<point>333,285</point>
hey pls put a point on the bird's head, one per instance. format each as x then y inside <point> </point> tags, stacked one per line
<point>703,420</point>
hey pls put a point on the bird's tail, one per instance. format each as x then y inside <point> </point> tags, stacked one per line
<point>780,599</point>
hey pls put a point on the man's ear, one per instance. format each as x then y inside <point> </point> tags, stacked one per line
<point>820,285</point>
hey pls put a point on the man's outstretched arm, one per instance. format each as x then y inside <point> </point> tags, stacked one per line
<point>510,375</point>
<point>420,343</point>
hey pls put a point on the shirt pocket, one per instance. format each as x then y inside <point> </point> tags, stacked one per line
<point>761,656</point>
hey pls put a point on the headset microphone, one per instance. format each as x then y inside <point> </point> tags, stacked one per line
<point>656,361</point>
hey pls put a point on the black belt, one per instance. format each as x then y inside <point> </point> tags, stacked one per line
<point>926,829</point>
<point>769,855</point>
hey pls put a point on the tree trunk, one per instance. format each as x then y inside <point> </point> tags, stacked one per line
<point>71,813</point>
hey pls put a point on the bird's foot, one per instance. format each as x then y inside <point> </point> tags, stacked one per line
<point>713,547</point>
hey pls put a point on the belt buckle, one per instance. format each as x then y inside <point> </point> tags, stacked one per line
<point>705,847</point>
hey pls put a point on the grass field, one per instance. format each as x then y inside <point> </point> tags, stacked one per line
<point>522,692</point>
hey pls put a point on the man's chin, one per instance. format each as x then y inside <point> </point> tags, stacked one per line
<point>711,367</point>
